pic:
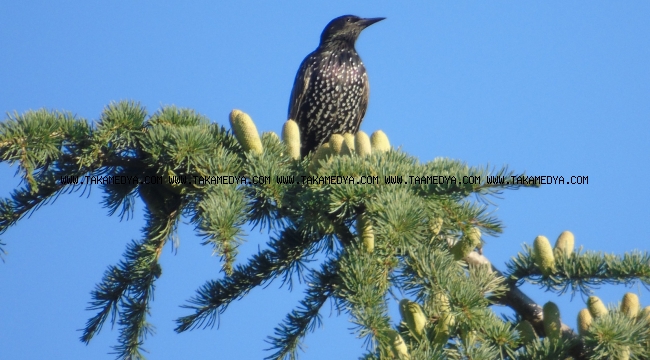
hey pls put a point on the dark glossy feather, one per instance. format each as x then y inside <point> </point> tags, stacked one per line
<point>331,90</point>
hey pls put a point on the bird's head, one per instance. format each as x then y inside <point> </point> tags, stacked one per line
<point>346,28</point>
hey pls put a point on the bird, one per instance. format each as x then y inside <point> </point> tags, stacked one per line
<point>330,92</point>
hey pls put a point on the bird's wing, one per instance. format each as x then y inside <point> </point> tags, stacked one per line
<point>300,87</point>
<point>363,105</point>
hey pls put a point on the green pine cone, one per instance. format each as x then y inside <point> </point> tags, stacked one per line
<point>348,144</point>
<point>565,244</point>
<point>362,144</point>
<point>544,255</point>
<point>552,323</point>
<point>245,131</point>
<point>442,302</point>
<point>526,332</point>
<point>445,318</point>
<point>379,142</point>
<point>336,143</point>
<point>435,225</point>
<point>584,321</point>
<point>321,153</point>
<point>366,233</point>
<point>467,243</point>
<point>596,307</point>
<point>474,234</point>
<point>443,329</point>
<point>645,314</point>
<point>413,316</point>
<point>398,345</point>
<point>630,305</point>
<point>291,138</point>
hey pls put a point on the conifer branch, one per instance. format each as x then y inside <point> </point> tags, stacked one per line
<point>306,317</point>
<point>127,288</point>
<point>363,287</point>
<point>407,238</point>
<point>614,335</point>
<point>219,216</point>
<point>23,201</point>
<point>525,307</point>
<point>214,297</point>
<point>581,271</point>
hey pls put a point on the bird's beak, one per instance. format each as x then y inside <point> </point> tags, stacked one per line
<point>367,22</point>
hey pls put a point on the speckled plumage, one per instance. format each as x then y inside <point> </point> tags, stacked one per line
<point>330,92</point>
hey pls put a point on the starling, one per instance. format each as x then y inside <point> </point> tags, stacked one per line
<point>330,92</point>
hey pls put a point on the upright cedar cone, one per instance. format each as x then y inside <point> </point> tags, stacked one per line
<point>398,345</point>
<point>630,305</point>
<point>336,143</point>
<point>413,316</point>
<point>446,319</point>
<point>526,332</point>
<point>291,138</point>
<point>435,225</point>
<point>362,144</point>
<point>596,307</point>
<point>544,255</point>
<point>348,144</point>
<point>245,131</point>
<point>443,328</point>
<point>442,302</point>
<point>645,313</point>
<point>565,244</point>
<point>584,321</point>
<point>552,323</point>
<point>322,153</point>
<point>467,243</point>
<point>379,142</point>
<point>366,233</point>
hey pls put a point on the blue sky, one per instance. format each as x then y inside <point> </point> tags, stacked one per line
<point>550,88</point>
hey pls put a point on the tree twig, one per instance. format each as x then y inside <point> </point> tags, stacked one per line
<point>523,305</point>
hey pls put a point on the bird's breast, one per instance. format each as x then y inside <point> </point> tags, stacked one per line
<point>339,82</point>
